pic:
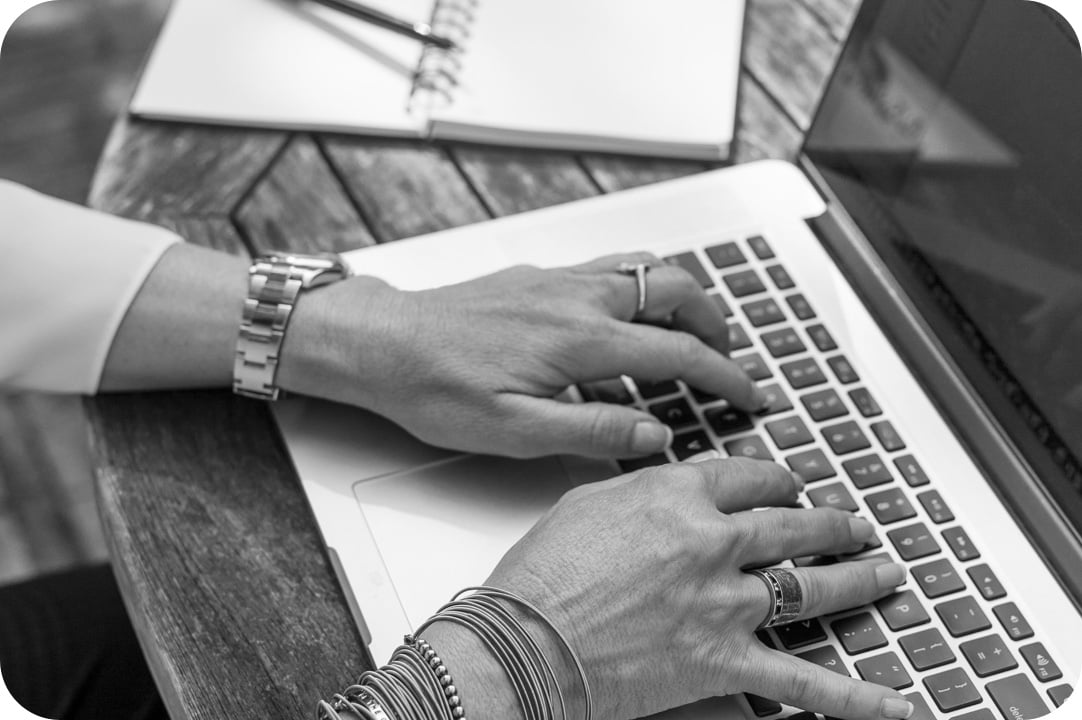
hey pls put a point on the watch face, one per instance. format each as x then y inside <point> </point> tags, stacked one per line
<point>316,269</point>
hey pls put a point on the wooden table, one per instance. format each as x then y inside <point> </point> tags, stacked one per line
<point>215,547</point>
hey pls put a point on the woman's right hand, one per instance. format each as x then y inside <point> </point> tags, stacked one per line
<point>645,574</point>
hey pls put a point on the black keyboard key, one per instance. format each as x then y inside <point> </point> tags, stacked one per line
<point>834,495</point>
<point>800,633</point>
<point>1013,621</point>
<point>749,447</point>
<point>982,714</point>
<point>803,373</point>
<point>859,633</point>
<point>952,690</point>
<point>937,578</point>
<point>759,246</point>
<point>612,391</point>
<point>902,610</point>
<point>911,470</point>
<point>744,283</point>
<point>962,616</point>
<point>988,655</point>
<point>789,432</point>
<point>704,398</point>
<point>866,404</point>
<point>727,420</point>
<point>811,465</point>
<point>675,413</point>
<point>888,436</point>
<point>633,464</point>
<point>689,262</point>
<point>867,471</point>
<point>890,506</point>
<point>826,657</point>
<point>821,338</point>
<point>913,541</point>
<point>845,438</point>
<point>960,544</point>
<point>843,370</point>
<point>776,400</point>
<point>780,277</point>
<point>935,507</point>
<point>654,389</point>
<point>754,366</point>
<point>926,649</point>
<point>762,707</point>
<point>738,337</point>
<point>1016,698</point>
<point>824,405</point>
<point>886,670</point>
<point>782,343</point>
<point>764,637</point>
<point>1043,666</point>
<point>722,305</point>
<point>690,444</point>
<point>986,581</point>
<point>800,307</point>
<point>725,255</point>
<point>763,312</point>
<point>921,711</point>
<point>1059,694</point>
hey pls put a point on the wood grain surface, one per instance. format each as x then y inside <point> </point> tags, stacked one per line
<point>217,553</point>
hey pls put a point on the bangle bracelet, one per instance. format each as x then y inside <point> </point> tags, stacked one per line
<point>443,675</point>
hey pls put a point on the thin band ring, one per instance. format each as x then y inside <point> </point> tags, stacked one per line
<point>638,271</point>
<point>787,599</point>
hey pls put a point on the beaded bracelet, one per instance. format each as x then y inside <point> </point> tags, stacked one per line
<point>443,676</point>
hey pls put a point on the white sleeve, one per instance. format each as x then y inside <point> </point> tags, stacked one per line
<point>69,276</point>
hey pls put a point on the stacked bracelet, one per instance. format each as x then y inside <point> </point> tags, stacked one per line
<point>443,676</point>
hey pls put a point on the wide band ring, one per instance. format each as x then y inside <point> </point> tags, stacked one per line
<point>787,599</point>
<point>638,271</point>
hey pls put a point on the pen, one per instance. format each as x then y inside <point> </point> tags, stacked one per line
<point>417,31</point>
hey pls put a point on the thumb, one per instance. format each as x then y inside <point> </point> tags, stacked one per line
<point>591,429</point>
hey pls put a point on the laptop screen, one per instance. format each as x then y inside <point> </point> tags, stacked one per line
<point>951,133</point>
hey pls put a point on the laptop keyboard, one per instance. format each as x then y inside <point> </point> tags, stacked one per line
<point>950,639</point>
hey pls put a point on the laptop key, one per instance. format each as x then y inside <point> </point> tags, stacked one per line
<point>937,578</point>
<point>760,247</point>
<point>902,610</point>
<point>651,390</point>
<point>691,263</point>
<point>935,507</point>
<point>727,420</point>
<point>1016,698</point>
<point>761,706</point>
<point>632,464</point>
<point>986,581</point>
<point>612,391</point>
<point>821,338</point>
<point>800,633</point>
<point>982,714</point>
<point>749,447</point>
<point>960,544</point>
<point>826,657</point>
<point>780,277</point>
<point>754,366</point>
<point>776,400</point>
<point>812,465</point>
<point>888,436</point>
<point>800,307</point>
<point>738,337</point>
<point>911,470</point>
<point>845,438</point>
<point>890,506</point>
<point>803,373</point>
<point>834,495</point>
<point>744,283</point>
<point>1012,620</point>
<point>962,616</point>
<point>926,649</point>
<point>859,633</point>
<point>842,370</point>
<point>789,432</point>
<point>690,444</point>
<point>952,690</point>
<point>824,405</point>
<point>1059,694</point>
<point>913,541</point>
<point>1043,666</point>
<point>885,669</point>
<point>988,655</point>
<point>722,305</point>
<point>782,343</point>
<point>867,471</point>
<point>675,413</point>
<point>763,312</point>
<point>866,404</point>
<point>726,255</point>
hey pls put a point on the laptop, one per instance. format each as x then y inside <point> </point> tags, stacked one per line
<point>910,293</point>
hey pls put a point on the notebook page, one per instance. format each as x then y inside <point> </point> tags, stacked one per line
<point>281,64</point>
<point>653,76</point>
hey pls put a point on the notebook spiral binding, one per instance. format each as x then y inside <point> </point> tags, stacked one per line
<point>438,68</point>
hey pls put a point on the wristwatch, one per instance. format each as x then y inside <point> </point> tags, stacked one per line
<point>275,281</point>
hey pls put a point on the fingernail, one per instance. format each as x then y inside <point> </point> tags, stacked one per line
<point>889,575</point>
<point>650,437</point>
<point>704,456</point>
<point>896,709</point>
<point>798,481</point>
<point>860,529</point>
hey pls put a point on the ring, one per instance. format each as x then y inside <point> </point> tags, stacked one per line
<point>787,596</point>
<point>638,271</point>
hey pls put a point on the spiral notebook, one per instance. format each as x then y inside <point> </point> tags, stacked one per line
<point>652,77</point>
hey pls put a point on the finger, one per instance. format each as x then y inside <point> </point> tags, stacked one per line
<point>736,484</point>
<point>797,682</point>
<point>833,588</point>
<point>672,292</point>
<point>546,427</point>
<point>785,533</point>
<point>611,263</point>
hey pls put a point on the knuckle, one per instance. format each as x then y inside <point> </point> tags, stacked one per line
<point>605,431</point>
<point>687,350</point>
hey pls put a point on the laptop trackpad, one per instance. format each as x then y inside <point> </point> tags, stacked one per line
<point>444,526</point>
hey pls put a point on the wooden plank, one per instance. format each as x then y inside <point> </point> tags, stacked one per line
<point>403,188</point>
<point>300,202</point>
<point>512,180</point>
<point>208,231</point>
<point>836,15</point>
<point>790,53</point>
<point>151,168</point>
<point>615,172</point>
<point>764,131</point>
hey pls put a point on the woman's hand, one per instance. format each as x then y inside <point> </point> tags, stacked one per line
<point>476,366</point>
<point>645,575</point>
